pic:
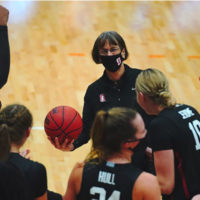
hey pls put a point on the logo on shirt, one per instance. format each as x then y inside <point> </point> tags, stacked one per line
<point>102,98</point>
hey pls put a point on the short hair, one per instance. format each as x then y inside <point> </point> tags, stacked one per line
<point>113,38</point>
<point>18,119</point>
<point>109,130</point>
<point>154,84</point>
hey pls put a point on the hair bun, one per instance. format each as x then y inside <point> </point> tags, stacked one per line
<point>3,126</point>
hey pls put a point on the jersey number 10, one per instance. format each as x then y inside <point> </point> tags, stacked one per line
<point>195,128</point>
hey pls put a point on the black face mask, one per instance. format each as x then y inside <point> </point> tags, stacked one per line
<point>112,63</point>
<point>139,146</point>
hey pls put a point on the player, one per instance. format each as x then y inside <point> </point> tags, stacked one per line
<point>4,47</point>
<point>107,172</point>
<point>19,122</point>
<point>174,134</point>
<point>12,182</point>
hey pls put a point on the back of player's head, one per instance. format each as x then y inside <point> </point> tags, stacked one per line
<point>18,119</point>
<point>154,84</point>
<point>110,129</point>
<point>4,142</point>
<point>113,38</point>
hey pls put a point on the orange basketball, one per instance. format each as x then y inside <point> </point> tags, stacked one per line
<point>63,122</point>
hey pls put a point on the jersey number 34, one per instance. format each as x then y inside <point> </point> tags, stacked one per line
<point>102,193</point>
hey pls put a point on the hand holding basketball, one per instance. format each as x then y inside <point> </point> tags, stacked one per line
<point>63,124</point>
<point>67,145</point>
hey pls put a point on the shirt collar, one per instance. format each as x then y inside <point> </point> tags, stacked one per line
<point>120,81</point>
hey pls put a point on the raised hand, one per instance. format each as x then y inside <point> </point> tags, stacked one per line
<point>4,13</point>
<point>25,153</point>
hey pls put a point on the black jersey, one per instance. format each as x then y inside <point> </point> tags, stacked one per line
<point>12,183</point>
<point>108,181</point>
<point>34,173</point>
<point>4,55</point>
<point>104,94</point>
<point>178,129</point>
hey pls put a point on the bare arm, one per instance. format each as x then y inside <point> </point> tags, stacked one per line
<point>74,182</point>
<point>196,197</point>
<point>164,165</point>
<point>146,188</point>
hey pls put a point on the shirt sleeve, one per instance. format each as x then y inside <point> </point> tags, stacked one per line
<point>40,180</point>
<point>88,117</point>
<point>4,56</point>
<point>160,135</point>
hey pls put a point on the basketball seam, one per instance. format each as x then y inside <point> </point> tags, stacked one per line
<point>65,135</point>
<point>59,127</point>
<point>63,131</point>
<point>72,131</point>
<point>70,123</point>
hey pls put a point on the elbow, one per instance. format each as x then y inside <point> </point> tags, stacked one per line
<point>166,191</point>
<point>167,188</point>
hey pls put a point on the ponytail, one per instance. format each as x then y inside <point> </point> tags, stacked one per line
<point>154,84</point>
<point>109,130</point>
<point>96,134</point>
<point>4,142</point>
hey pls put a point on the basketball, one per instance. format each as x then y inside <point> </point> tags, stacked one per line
<point>63,122</point>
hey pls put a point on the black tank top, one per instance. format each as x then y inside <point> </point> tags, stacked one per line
<point>108,181</point>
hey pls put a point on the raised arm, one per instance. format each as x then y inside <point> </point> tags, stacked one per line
<point>4,47</point>
<point>88,117</point>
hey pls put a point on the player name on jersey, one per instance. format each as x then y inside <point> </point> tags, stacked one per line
<point>186,113</point>
<point>106,177</point>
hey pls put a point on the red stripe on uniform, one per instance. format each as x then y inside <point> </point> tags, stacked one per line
<point>180,169</point>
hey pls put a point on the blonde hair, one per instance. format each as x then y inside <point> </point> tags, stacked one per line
<point>109,130</point>
<point>154,84</point>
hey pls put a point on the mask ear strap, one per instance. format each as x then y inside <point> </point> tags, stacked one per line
<point>123,53</point>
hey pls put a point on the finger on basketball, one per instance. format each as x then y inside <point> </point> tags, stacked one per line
<point>56,143</point>
<point>67,142</point>
<point>50,139</point>
<point>63,122</point>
